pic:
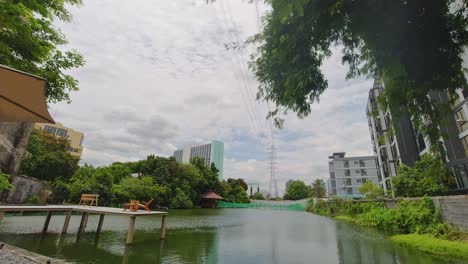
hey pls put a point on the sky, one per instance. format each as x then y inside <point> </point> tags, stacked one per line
<point>158,76</point>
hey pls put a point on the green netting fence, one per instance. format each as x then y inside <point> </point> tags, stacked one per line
<point>292,207</point>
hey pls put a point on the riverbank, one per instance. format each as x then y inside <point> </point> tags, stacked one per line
<point>14,255</point>
<point>417,224</point>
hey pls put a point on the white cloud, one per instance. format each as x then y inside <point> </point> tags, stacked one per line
<point>158,76</point>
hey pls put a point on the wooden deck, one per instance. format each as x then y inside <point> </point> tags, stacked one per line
<point>86,210</point>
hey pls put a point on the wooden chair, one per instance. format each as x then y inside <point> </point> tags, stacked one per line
<point>91,198</point>
<point>146,205</point>
<point>132,206</point>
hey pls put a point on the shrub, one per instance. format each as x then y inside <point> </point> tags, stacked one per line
<point>5,185</point>
<point>417,217</point>
<point>257,196</point>
<point>181,200</point>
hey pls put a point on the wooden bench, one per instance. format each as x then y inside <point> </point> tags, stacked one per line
<point>91,198</point>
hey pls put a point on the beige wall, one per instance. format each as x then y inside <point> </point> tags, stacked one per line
<point>74,137</point>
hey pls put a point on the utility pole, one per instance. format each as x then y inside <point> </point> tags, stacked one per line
<point>272,167</point>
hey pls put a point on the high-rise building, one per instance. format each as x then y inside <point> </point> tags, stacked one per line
<point>74,137</point>
<point>212,152</point>
<point>396,141</point>
<point>347,174</point>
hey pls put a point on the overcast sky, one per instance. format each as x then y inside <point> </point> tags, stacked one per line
<point>158,76</point>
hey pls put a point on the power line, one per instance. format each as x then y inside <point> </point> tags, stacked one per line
<point>228,18</point>
<point>239,79</point>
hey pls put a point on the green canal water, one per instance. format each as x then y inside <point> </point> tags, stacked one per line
<point>214,236</point>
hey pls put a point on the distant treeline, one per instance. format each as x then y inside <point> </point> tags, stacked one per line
<point>170,183</point>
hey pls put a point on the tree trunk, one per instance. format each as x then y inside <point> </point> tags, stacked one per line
<point>14,138</point>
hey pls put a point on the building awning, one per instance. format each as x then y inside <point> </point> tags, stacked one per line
<point>211,195</point>
<point>22,97</point>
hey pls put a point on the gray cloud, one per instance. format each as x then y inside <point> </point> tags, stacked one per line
<point>158,77</point>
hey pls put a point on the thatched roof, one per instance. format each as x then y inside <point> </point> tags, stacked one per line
<point>211,195</point>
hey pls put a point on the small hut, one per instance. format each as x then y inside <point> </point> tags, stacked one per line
<point>210,199</point>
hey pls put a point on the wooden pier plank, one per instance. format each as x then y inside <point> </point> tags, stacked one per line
<point>47,221</point>
<point>131,229</point>
<point>66,222</point>
<point>101,220</point>
<point>163,227</point>
<point>86,210</point>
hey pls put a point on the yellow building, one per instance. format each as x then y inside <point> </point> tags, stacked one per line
<point>74,137</point>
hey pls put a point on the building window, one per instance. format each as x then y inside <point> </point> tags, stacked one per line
<point>61,132</point>
<point>363,180</point>
<point>356,162</point>
<point>357,171</point>
<point>421,143</point>
<point>50,129</point>
<point>462,122</point>
<point>348,182</point>
<point>349,190</point>
<point>358,180</point>
<point>465,93</point>
<point>363,172</point>
<point>465,144</point>
<point>362,163</point>
<point>347,173</point>
<point>346,164</point>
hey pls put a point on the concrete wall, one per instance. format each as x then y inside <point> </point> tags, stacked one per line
<point>25,187</point>
<point>454,210</point>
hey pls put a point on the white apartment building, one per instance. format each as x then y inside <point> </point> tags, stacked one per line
<point>347,174</point>
<point>212,152</point>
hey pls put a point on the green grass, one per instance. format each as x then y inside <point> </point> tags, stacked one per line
<point>430,244</point>
<point>344,218</point>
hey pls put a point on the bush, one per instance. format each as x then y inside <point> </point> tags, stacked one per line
<point>60,192</point>
<point>297,190</point>
<point>5,185</point>
<point>257,196</point>
<point>415,217</point>
<point>428,177</point>
<point>181,200</point>
<point>338,206</point>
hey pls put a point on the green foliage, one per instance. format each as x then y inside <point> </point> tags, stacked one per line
<point>60,192</point>
<point>371,190</point>
<point>32,200</point>
<point>257,196</point>
<point>5,185</point>
<point>433,245</point>
<point>181,200</point>
<point>416,217</point>
<point>47,157</point>
<point>30,41</point>
<point>417,48</point>
<point>318,189</point>
<point>297,190</point>
<point>428,177</point>
<point>235,191</point>
<point>337,207</point>
<point>170,183</point>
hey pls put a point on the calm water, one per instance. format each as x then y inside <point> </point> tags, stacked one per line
<point>214,236</point>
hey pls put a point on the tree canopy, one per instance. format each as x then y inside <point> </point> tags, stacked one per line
<point>414,46</point>
<point>171,183</point>
<point>47,157</point>
<point>29,41</point>
<point>371,190</point>
<point>427,177</point>
<point>318,189</point>
<point>297,190</point>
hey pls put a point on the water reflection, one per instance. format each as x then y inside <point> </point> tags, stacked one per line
<point>358,244</point>
<point>218,236</point>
